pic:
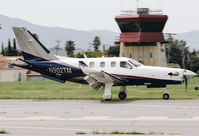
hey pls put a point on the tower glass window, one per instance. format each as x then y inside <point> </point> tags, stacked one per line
<point>130,55</point>
<point>135,54</point>
<point>146,55</point>
<point>141,26</point>
<point>151,55</point>
<point>141,55</point>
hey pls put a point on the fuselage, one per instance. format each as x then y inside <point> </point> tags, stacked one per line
<point>134,73</point>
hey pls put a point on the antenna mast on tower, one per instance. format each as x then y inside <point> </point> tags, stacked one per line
<point>137,1</point>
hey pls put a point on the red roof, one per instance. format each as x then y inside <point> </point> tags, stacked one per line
<point>141,18</point>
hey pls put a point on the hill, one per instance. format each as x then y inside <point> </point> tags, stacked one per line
<point>192,39</point>
<point>49,35</point>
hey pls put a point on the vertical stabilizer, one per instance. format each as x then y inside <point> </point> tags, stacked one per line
<point>31,48</point>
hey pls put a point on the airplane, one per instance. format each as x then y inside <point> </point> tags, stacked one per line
<point>97,72</point>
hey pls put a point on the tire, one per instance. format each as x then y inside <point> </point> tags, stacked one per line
<point>122,95</point>
<point>166,96</point>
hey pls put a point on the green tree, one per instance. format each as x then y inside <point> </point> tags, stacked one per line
<point>69,48</point>
<point>15,52</point>
<point>179,53</point>
<point>9,51</point>
<point>114,51</point>
<point>194,61</point>
<point>96,43</point>
<point>2,49</point>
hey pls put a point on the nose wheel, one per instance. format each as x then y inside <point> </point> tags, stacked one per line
<point>166,94</point>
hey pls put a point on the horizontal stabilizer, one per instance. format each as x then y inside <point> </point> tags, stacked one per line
<point>53,78</point>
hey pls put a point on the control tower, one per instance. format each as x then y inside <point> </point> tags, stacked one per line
<point>141,36</point>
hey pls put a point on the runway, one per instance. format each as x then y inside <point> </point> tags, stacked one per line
<point>67,117</point>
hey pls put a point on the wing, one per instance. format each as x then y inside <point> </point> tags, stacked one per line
<point>97,78</point>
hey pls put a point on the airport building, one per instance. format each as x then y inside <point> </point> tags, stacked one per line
<point>10,73</point>
<point>142,36</point>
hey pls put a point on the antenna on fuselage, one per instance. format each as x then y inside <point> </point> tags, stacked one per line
<point>85,55</point>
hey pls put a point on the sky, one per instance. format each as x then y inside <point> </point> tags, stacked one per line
<point>99,14</point>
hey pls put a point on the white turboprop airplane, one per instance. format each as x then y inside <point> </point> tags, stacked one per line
<point>97,72</point>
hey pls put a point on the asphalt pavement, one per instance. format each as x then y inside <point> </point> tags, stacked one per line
<point>67,117</point>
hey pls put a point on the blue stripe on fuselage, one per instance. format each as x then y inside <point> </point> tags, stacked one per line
<point>53,69</point>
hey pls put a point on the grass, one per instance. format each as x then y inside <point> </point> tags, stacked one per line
<point>81,133</point>
<point>52,90</point>
<point>3,132</point>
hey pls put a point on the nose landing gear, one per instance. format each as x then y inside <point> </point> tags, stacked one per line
<point>165,94</point>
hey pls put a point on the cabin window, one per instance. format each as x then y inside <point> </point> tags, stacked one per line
<point>151,55</point>
<point>102,64</point>
<point>141,55</point>
<point>113,63</point>
<point>135,54</point>
<point>92,64</point>
<point>134,63</point>
<point>125,64</point>
<point>130,55</point>
<point>146,55</point>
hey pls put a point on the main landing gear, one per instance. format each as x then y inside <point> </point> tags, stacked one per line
<point>122,94</point>
<point>165,94</point>
<point>107,92</point>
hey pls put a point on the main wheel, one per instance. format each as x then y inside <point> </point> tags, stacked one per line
<point>122,95</point>
<point>166,96</point>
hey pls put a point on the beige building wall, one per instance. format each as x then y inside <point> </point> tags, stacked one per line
<point>12,75</point>
<point>153,55</point>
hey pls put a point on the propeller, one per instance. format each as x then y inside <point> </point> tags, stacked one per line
<point>188,74</point>
<point>185,79</point>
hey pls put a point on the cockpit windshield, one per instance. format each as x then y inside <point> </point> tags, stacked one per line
<point>135,63</point>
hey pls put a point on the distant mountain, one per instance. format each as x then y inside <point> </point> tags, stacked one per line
<point>49,35</point>
<point>192,39</point>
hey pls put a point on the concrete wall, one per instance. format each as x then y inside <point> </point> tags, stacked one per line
<point>12,75</point>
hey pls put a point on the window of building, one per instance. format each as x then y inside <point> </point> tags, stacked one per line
<point>130,55</point>
<point>151,55</point>
<point>125,64</point>
<point>92,64</point>
<point>102,64</point>
<point>146,55</point>
<point>141,55</point>
<point>135,54</point>
<point>113,64</point>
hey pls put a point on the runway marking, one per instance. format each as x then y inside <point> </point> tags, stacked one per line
<point>98,118</point>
